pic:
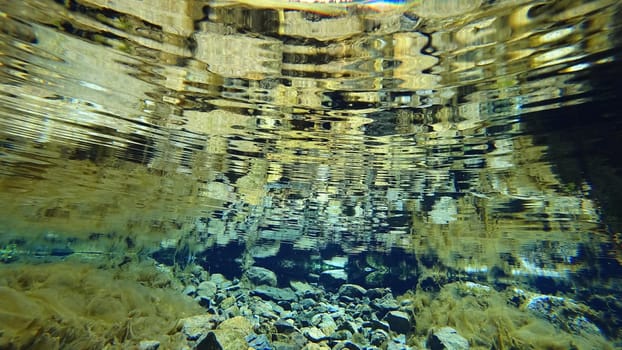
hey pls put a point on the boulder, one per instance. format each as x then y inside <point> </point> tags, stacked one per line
<point>261,276</point>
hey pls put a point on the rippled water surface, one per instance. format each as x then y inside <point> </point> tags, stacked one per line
<point>394,141</point>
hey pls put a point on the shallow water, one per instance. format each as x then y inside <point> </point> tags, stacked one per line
<point>402,145</point>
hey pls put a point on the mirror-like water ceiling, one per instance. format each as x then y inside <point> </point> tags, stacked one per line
<point>314,174</point>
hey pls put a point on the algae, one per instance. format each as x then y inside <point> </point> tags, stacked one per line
<point>70,305</point>
<point>488,320</point>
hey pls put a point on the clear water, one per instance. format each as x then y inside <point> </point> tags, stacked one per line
<point>409,145</point>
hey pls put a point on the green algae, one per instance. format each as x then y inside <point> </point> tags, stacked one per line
<point>489,320</point>
<point>78,306</point>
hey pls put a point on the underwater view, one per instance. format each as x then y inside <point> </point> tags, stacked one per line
<point>310,174</point>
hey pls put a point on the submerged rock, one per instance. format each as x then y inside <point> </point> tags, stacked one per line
<point>148,345</point>
<point>195,326</point>
<point>562,312</point>
<point>352,290</point>
<point>275,294</point>
<point>261,276</point>
<point>230,335</point>
<point>314,334</point>
<point>447,338</point>
<point>333,278</point>
<point>399,321</point>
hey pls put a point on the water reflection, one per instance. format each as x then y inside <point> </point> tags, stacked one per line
<point>371,129</point>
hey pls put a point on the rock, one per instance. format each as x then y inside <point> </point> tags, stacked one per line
<point>351,326</point>
<point>324,322</point>
<point>563,313</point>
<point>284,326</point>
<point>399,321</point>
<point>229,335</point>
<point>300,287</point>
<point>385,304</point>
<point>349,345</point>
<point>314,346</point>
<point>258,342</point>
<point>352,290</point>
<point>190,290</point>
<point>375,293</point>
<point>207,289</point>
<point>333,278</point>
<point>377,324</point>
<point>314,334</point>
<point>261,276</point>
<point>264,309</point>
<point>195,326</point>
<point>307,303</point>
<point>148,345</point>
<point>219,279</point>
<point>446,338</point>
<point>343,334</point>
<point>398,343</point>
<point>275,294</point>
<point>378,337</point>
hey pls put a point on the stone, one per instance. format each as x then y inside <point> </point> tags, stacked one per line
<point>349,345</point>
<point>219,279</point>
<point>189,290</point>
<point>314,334</point>
<point>446,338</point>
<point>377,324</point>
<point>258,342</point>
<point>324,322</point>
<point>284,326</point>
<point>378,337</point>
<point>207,289</point>
<point>385,304</point>
<point>562,312</point>
<point>375,293</point>
<point>229,335</point>
<point>398,343</point>
<point>333,278</point>
<point>307,303</point>
<point>148,345</point>
<point>275,294</point>
<point>195,326</point>
<point>343,334</point>
<point>352,290</point>
<point>315,346</point>
<point>399,321</point>
<point>261,276</point>
<point>300,287</point>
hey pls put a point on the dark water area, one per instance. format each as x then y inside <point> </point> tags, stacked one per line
<point>310,175</point>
